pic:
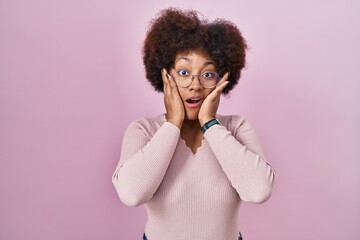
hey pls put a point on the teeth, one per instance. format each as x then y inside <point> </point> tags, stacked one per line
<point>193,100</point>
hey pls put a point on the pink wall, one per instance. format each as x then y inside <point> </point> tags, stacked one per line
<point>71,80</point>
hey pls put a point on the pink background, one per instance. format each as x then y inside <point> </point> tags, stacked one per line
<point>71,80</point>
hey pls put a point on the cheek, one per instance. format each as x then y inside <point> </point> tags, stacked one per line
<point>182,93</point>
<point>208,91</point>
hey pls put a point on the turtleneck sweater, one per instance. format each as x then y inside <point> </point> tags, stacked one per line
<point>189,195</point>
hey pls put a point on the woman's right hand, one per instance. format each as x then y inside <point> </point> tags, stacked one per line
<point>175,112</point>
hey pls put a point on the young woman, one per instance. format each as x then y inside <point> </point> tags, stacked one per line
<point>192,167</point>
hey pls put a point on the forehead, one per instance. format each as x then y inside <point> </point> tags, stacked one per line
<point>193,57</point>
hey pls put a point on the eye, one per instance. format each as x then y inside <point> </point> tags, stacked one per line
<point>208,75</point>
<point>183,72</point>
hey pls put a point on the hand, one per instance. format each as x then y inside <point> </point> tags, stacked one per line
<point>175,111</point>
<point>211,102</point>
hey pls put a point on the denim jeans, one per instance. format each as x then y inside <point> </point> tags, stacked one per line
<point>239,238</point>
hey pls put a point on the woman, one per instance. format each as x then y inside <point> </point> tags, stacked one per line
<point>192,167</point>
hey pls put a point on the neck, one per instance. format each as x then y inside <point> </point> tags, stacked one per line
<point>191,124</point>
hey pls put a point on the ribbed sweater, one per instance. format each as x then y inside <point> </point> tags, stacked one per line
<point>191,196</point>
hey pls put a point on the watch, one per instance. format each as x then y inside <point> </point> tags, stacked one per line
<point>209,124</point>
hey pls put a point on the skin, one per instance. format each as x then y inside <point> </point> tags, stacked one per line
<point>187,118</point>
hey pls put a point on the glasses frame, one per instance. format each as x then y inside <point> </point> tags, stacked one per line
<point>199,77</point>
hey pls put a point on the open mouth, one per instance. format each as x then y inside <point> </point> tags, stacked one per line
<point>193,100</point>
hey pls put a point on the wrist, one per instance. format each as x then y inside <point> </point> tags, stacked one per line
<point>176,123</point>
<point>204,120</point>
<point>209,124</point>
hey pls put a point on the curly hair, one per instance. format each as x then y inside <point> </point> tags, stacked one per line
<point>177,31</point>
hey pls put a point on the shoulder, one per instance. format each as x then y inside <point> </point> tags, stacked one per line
<point>148,126</point>
<point>234,123</point>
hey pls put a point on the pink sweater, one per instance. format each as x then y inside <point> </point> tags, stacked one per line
<point>192,196</point>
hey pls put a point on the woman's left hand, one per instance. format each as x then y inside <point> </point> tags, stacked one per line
<point>211,102</point>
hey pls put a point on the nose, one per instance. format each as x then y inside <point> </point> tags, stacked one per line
<point>195,84</point>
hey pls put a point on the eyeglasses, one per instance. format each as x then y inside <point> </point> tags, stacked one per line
<point>207,79</point>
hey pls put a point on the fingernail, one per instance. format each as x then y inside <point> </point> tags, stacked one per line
<point>168,75</point>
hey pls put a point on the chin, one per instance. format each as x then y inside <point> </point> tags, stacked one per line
<point>192,114</point>
<point>191,117</point>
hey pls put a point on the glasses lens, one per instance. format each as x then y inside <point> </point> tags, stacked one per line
<point>183,79</point>
<point>209,79</point>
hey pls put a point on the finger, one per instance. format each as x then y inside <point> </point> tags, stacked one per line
<point>172,82</point>
<point>224,78</point>
<point>167,81</point>
<point>223,83</point>
<point>221,86</point>
<point>218,90</point>
<point>164,77</point>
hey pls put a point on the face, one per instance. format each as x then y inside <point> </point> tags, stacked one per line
<point>193,63</point>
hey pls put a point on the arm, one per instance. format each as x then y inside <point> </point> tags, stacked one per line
<point>143,162</point>
<point>242,160</point>
<point>144,158</point>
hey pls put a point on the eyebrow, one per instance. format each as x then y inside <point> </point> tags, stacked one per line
<point>189,60</point>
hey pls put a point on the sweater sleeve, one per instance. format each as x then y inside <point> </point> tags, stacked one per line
<point>143,162</point>
<point>241,158</point>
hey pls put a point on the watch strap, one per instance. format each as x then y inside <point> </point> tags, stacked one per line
<point>209,124</point>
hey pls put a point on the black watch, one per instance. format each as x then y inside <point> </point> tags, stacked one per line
<point>209,124</point>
